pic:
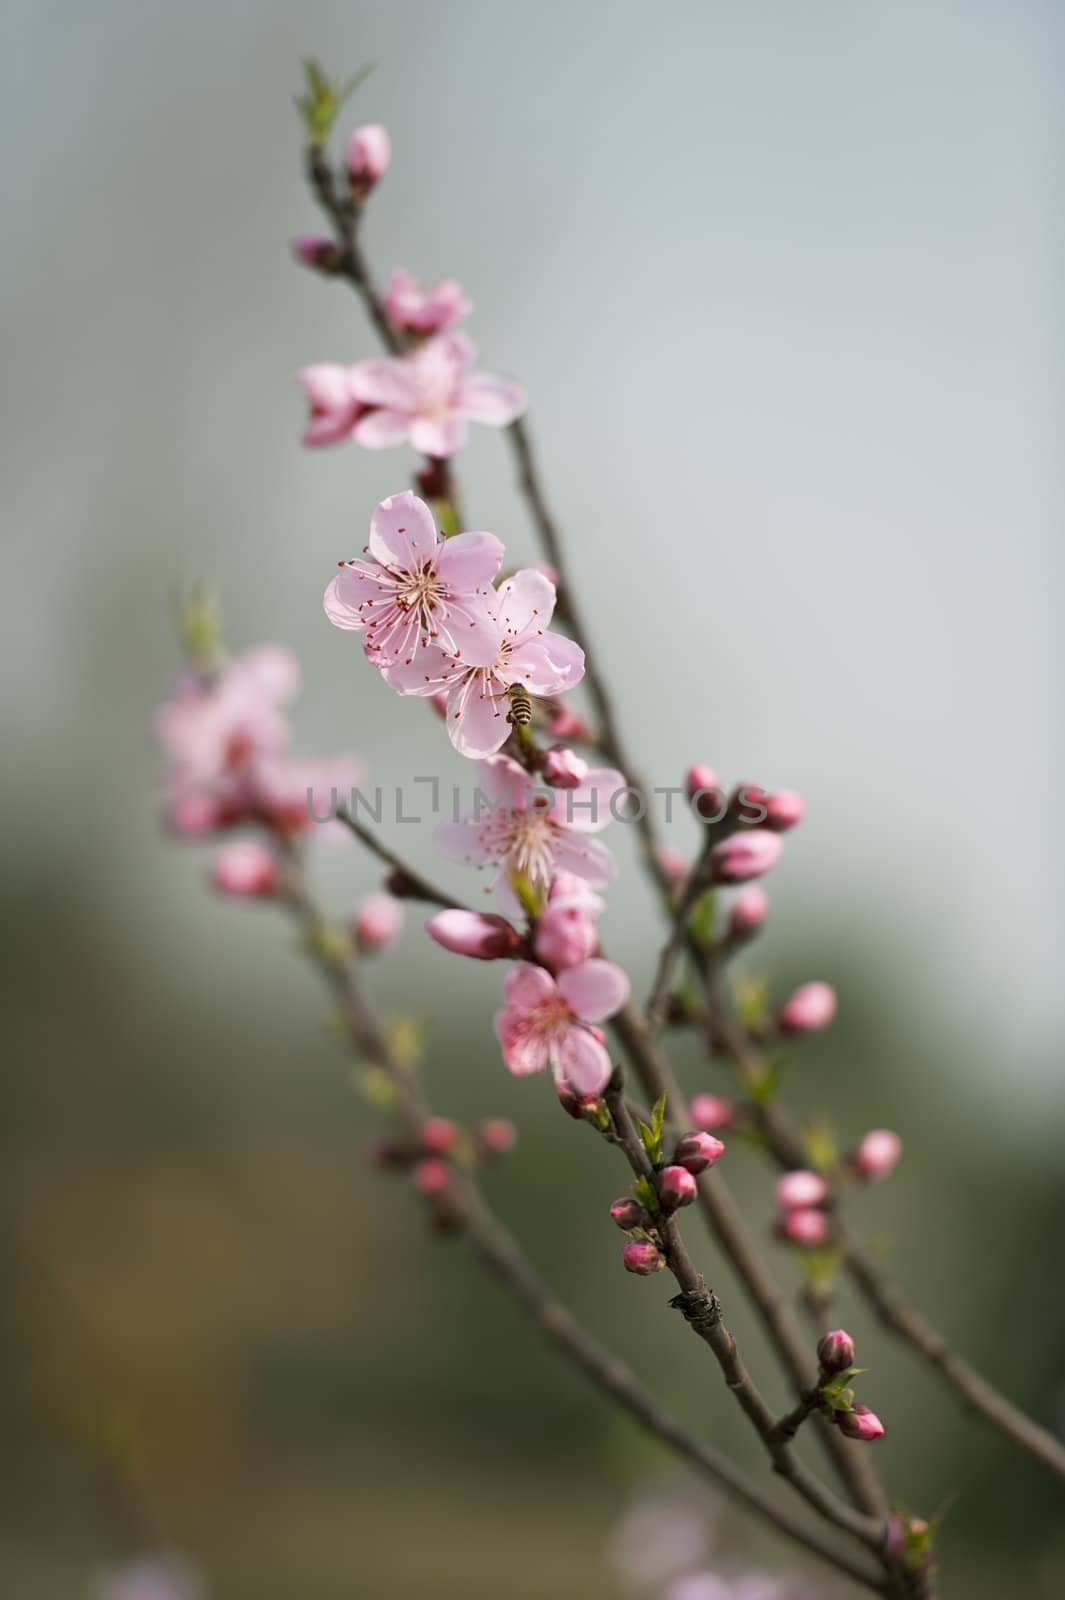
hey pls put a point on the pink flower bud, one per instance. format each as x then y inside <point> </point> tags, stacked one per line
<point>496,1137</point>
<point>799,1189</point>
<point>575,1105</point>
<point>629,1213</point>
<point>704,795</point>
<point>785,809</point>
<point>876,1155</point>
<point>566,935</point>
<point>245,867</point>
<point>369,152</point>
<point>861,1423</point>
<point>674,863</point>
<point>193,815</point>
<point>315,250</point>
<point>745,855</point>
<point>642,1257</point>
<point>711,1111</point>
<point>835,1353</point>
<point>564,768</point>
<point>479,934</point>
<point>567,725</point>
<point>431,1176</point>
<point>810,1008</point>
<point>378,922</point>
<point>749,910</point>
<point>697,1151</point>
<point>437,1136</point>
<point>676,1186</point>
<point>803,1226</point>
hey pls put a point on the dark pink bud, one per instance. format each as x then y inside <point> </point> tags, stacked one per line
<point>749,910</point>
<point>642,1257</point>
<point>567,725</point>
<point>810,1008</point>
<point>800,1189</point>
<point>861,1423</point>
<point>573,1104</point>
<point>563,768</point>
<point>437,1136</point>
<point>704,794</point>
<point>711,1111</point>
<point>479,934</point>
<point>315,250</point>
<point>676,1185</point>
<point>697,1151</point>
<point>496,1137</point>
<point>804,1226</point>
<point>876,1155</point>
<point>747,804</point>
<point>835,1353</point>
<point>432,1176</point>
<point>629,1213</point>
<point>745,855</point>
<point>784,809</point>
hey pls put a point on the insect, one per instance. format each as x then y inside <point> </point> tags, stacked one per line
<point>520,713</point>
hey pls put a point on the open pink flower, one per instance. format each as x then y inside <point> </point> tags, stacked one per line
<point>412,309</point>
<point>545,1020</point>
<point>415,587</point>
<point>428,397</point>
<point>534,833</point>
<point>525,653</point>
<point>333,409</point>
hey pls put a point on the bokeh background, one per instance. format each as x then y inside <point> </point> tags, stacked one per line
<point>784,283</point>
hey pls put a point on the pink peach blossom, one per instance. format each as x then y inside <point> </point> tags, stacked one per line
<point>566,933</point>
<point>545,1020</point>
<point>410,308</point>
<point>415,587</point>
<point>332,407</point>
<point>524,653</point>
<point>429,397</point>
<point>245,867</point>
<point>534,834</point>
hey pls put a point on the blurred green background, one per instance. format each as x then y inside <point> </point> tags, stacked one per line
<point>783,283</point>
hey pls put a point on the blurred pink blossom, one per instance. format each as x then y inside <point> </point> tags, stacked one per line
<point>413,309</point>
<point>544,1021</point>
<point>428,398</point>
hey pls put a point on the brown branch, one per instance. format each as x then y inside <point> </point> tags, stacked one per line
<point>409,884</point>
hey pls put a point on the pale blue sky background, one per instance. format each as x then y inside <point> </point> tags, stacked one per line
<point>784,283</point>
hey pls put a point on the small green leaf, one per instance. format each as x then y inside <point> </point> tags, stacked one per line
<point>644,1191</point>
<point>322,100</point>
<point>753,1002</point>
<point>702,918</point>
<point>376,1087</point>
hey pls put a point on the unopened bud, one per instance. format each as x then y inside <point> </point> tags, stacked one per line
<point>861,1423</point>
<point>798,1189</point>
<point>810,1008</point>
<point>496,1137</point>
<point>711,1111</point>
<point>566,935</point>
<point>783,810</point>
<point>573,1104</point>
<point>745,855</point>
<point>835,1353</point>
<point>629,1213</point>
<point>568,725</point>
<point>803,1226</point>
<point>437,1136</point>
<point>676,1186</point>
<point>876,1155</point>
<point>245,868</point>
<point>749,910</point>
<point>642,1257</point>
<point>697,1151</point>
<point>315,250</point>
<point>674,863</point>
<point>378,922</point>
<point>563,768</point>
<point>704,796</point>
<point>479,934</point>
<point>431,1176</point>
<point>368,155</point>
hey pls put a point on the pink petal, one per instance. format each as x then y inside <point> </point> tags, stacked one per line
<point>336,428</point>
<point>527,986</point>
<point>343,595</point>
<point>477,716</point>
<point>428,671</point>
<point>526,604</point>
<point>548,665</point>
<point>272,669</point>
<point>594,990</point>
<point>441,439</point>
<point>470,561</point>
<point>470,632</point>
<point>586,858</point>
<point>380,430</point>
<point>582,1060</point>
<point>586,809</point>
<point>461,841</point>
<point>402,532</point>
<point>500,777</point>
<point>328,386</point>
<point>524,1049</point>
<point>491,400</point>
<point>388,383</point>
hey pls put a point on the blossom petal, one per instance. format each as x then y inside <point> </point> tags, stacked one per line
<point>470,561</point>
<point>494,401</point>
<point>442,438</point>
<point>461,841</point>
<point>527,986</point>
<point>469,631</point>
<point>524,1048</point>
<point>595,989</point>
<point>427,671</point>
<point>327,386</point>
<point>380,430</point>
<point>526,604</point>
<point>547,665</point>
<point>502,778</point>
<point>586,809</point>
<point>343,597</point>
<point>476,716</point>
<point>402,532</point>
<point>272,668</point>
<point>582,1060</point>
<point>388,382</point>
<point>586,858</point>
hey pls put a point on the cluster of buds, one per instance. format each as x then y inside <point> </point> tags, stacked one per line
<point>800,1219</point>
<point>835,1357</point>
<point>440,1146</point>
<point>908,1542</point>
<point>674,1186</point>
